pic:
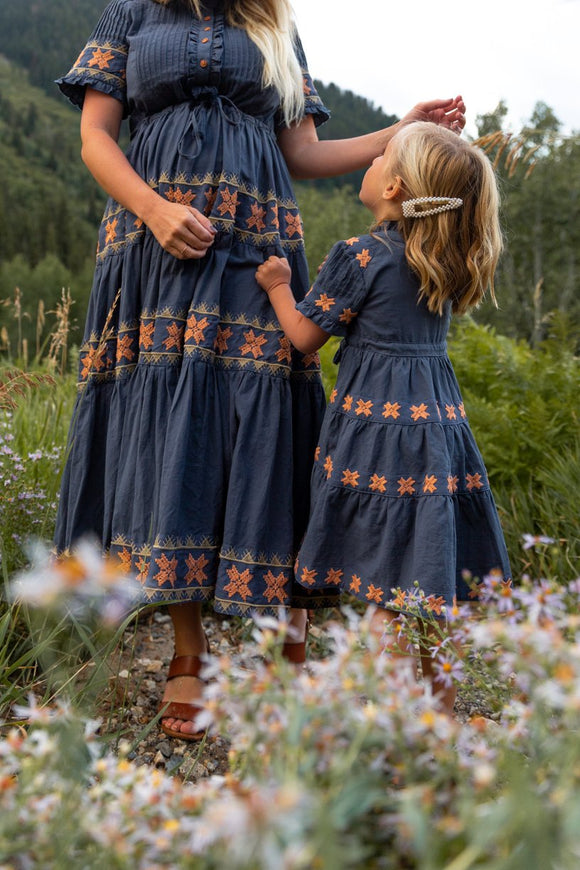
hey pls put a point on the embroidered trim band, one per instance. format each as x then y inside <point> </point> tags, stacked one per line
<point>440,204</point>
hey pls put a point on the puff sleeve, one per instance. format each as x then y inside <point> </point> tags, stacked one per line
<point>337,295</point>
<point>103,61</point>
<point>313,104</point>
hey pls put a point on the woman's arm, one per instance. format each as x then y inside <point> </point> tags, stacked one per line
<point>274,276</point>
<point>309,157</point>
<point>181,230</point>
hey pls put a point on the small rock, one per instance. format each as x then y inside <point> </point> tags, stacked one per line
<point>159,760</point>
<point>165,748</point>
<point>152,666</point>
<point>124,674</point>
<point>161,617</point>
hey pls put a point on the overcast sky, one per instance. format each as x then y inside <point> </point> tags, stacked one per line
<point>396,54</point>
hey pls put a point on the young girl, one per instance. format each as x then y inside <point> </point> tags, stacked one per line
<point>400,494</point>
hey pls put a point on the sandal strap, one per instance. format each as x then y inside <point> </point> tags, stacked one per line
<point>185,666</point>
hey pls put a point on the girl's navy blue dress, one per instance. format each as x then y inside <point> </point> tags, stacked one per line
<point>196,421</point>
<point>400,494</point>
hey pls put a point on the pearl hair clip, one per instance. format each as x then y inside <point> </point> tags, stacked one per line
<point>441,203</point>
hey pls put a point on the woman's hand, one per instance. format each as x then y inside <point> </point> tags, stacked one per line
<point>272,273</point>
<point>447,113</point>
<point>181,230</point>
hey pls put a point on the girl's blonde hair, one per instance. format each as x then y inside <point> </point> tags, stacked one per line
<point>455,253</point>
<point>270,25</point>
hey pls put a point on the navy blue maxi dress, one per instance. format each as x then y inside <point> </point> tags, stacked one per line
<point>400,493</point>
<point>196,421</point>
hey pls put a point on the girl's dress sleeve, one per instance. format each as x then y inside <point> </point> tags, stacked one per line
<point>337,295</point>
<point>103,61</point>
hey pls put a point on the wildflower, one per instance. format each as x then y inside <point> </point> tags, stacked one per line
<point>448,671</point>
<point>534,540</point>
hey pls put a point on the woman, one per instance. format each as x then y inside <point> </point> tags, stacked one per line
<point>196,420</point>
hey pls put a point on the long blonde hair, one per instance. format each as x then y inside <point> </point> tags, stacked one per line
<point>455,253</point>
<point>270,25</point>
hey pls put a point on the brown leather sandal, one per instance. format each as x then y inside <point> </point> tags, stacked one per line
<point>183,666</point>
<point>296,652</point>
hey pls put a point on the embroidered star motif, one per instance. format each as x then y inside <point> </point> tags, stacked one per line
<point>452,484</point>
<point>196,328</point>
<point>175,194</point>
<point>101,58</point>
<point>306,87</point>
<point>328,467</point>
<point>317,454</point>
<point>399,599</point>
<point>221,340</point>
<point>125,560</point>
<point>167,570</point>
<point>419,412</point>
<point>211,196</point>
<point>364,258</point>
<point>391,410</point>
<point>146,332</point>
<point>462,409</point>
<point>275,587</point>
<point>355,583</point>
<point>325,302</point>
<point>253,344</point>
<point>350,478</point>
<point>275,220</point>
<point>174,336</point>
<point>138,223</point>
<point>124,348</point>
<point>406,485</point>
<point>450,411</point>
<point>333,577</point>
<point>429,483</point>
<point>473,481</point>
<point>257,219</point>
<point>93,360</point>
<point>333,396</point>
<point>434,604</point>
<point>308,576</point>
<point>111,231</point>
<point>229,202</point>
<point>293,225</point>
<point>364,408</point>
<point>142,568</point>
<point>378,484</point>
<point>352,241</point>
<point>285,350</point>
<point>347,404</point>
<point>196,569</point>
<point>347,315</point>
<point>374,594</point>
<point>238,584</point>
<point>311,359</point>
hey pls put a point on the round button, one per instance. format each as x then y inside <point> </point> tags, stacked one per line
<point>203,63</point>
<point>204,40</point>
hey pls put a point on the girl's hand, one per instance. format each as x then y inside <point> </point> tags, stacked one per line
<point>180,229</point>
<point>447,113</point>
<point>275,271</point>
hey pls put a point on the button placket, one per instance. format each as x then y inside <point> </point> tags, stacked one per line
<point>205,44</point>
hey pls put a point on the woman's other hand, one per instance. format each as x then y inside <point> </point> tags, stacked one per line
<point>447,113</point>
<point>181,230</point>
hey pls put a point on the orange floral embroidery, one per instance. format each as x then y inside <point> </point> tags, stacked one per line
<point>253,344</point>
<point>391,410</point>
<point>221,340</point>
<point>399,599</point>
<point>196,569</point>
<point>167,570</point>
<point>93,360</point>
<point>347,404</point>
<point>196,328</point>
<point>101,58</point>
<point>333,396</point>
<point>474,481</point>
<point>124,343</point>
<point>111,231</point>
<point>142,568</point>
<point>462,409</point>
<point>355,583</point>
<point>293,225</point>
<point>174,336</point>
<point>364,408</point>
<point>308,576</point>
<point>306,87</point>
<point>352,241</point>
<point>211,196</point>
<point>419,412</point>
<point>175,194</point>
<point>452,484</point>
<point>325,302</point>
<point>285,350</point>
<point>347,315</point>
<point>257,219</point>
<point>275,220</point>
<point>275,587</point>
<point>450,411</point>
<point>429,483</point>
<point>317,454</point>
<point>146,333</point>
<point>229,202</point>
<point>125,560</point>
<point>334,576</point>
<point>311,359</point>
<point>434,604</point>
<point>238,584</point>
<point>374,594</point>
<point>328,467</point>
<point>350,478</point>
<point>364,258</point>
<point>406,485</point>
<point>378,484</point>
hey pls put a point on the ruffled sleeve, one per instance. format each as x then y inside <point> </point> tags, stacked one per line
<point>313,105</point>
<point>102,63</point>
<point>337,295</point>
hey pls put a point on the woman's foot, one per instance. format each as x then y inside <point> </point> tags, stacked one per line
<point>184,688</point>
<point>294,648</point>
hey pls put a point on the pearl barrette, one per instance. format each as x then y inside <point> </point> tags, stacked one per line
<point>441,203</point>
